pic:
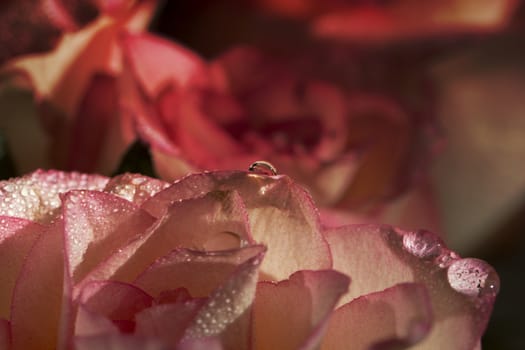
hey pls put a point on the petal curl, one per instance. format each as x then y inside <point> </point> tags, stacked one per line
<point>216,221</point>
<point>96,224</point>
<point>282,216</point>
<point>156,63</point>
<point>89,323</point>
<point>398,316</point>
<point>293,313</point>
<point>38,294</point>
<point>179,268</point>
<point>462,291</point>
<point>168,321</point>
<point>115,300</point>
<point>17,237</point>
<point>225,313</point>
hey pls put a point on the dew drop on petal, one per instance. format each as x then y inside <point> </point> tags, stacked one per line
<point>263,168</point>
<point>423,244</point>
<point>447,258</point>
<point>473,277</point>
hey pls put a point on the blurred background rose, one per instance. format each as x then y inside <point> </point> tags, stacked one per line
<point>454,64</point>
<point>74,92</point>
<point>354,149</point>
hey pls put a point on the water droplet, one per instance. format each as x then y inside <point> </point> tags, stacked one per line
<point>10,188</point>
<point>423,244</point>
<point>473,277</point>
<point>446,258</point>
<point>262,167</point>
<point>138,180</point>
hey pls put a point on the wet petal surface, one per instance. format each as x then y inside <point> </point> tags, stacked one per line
<point>282,216</point>
<point>292,313</point>
<point>462,291</point>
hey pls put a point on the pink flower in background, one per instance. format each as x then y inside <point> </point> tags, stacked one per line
<point>75,92</point>
<point>351,149</point>
<point>31,26</point>
<point>368,21</point>
<point>220,260</point>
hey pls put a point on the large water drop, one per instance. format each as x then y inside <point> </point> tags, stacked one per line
<point>473,277</point>
<point>423,244</point>
<point>263,168</point>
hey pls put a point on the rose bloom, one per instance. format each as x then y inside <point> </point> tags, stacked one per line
<point>351,149</point>
<point>73,89</point>
<point>220,260</point>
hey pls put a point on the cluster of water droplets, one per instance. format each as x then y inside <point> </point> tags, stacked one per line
<point>37,196</point>
<point>135,188</point>
<point>468,276</point>
<point>227,302</point>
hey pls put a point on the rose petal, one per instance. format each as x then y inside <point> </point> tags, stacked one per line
<point>179,268</point>
<point>140,115</point>
<point>462,291</point>
<point>63,74</point>
<point>282,216</point>
<point>134,187</point>
<point>215,221</point>
<point>386,130</point>
<point>96,224</point>
<point>5,334</point>
<point>225,225</point>
<point>413,209</point>
<point>115,300</point>
<point>36,196</point>
<point>169,167</point>
<point>218,220</point>
<point>37,297</point>
<point>168,321</point>
<point>90,323</point>
<point>93,123</point>
<point>157,63</point>
<point>400,315</point>
<point>210,343</point>
<point>293,313</point>
<point>118,342</point>
<point>202,142</point>
<point>226,312</point>
<point>17,236</point>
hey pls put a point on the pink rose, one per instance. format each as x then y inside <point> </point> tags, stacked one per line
<point>74,90</point>
<point>351,148</point>
<point>233,260</point>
